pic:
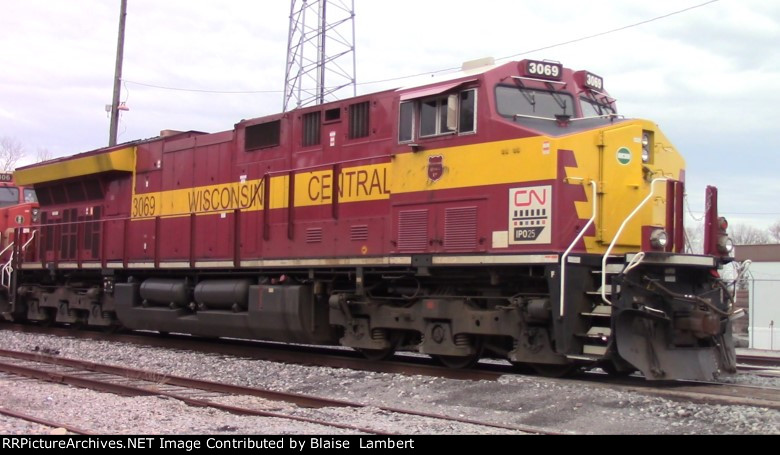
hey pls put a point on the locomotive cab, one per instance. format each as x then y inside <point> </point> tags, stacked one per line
<point>18,209</point>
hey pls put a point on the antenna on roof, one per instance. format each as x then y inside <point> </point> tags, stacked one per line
<point>321,42</point>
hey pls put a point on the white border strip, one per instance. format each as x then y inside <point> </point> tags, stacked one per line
<point>207,264</point>
<point>331,262</point>
<point>704,261</point>
<point>176,265</point>
<point>387,260</point>
<point>496,259</point>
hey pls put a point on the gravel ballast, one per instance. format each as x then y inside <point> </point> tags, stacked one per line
<point>514,399</point>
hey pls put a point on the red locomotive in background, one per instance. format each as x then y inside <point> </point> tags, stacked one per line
<point>18,209</point>
<point>507,211</point>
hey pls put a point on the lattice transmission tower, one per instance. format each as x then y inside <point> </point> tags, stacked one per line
<point>320,52</point>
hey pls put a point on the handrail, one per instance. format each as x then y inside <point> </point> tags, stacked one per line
<point>32,236</point>
<point>617,236</point>
<point>6,266</point>
<point>7,269</point>
<point>577,239</point>
<point>6,248</point>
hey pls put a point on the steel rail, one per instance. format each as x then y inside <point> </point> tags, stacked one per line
<point>295,398</point>
<point>45,422</point>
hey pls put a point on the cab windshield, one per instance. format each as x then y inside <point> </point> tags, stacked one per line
<point>29,195</point>
<point>513,101</point>
<point>591,108</point>
<point>9,195</point>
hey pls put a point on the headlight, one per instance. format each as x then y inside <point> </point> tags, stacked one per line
<point>725,245</point>
<point>35,213</point>
<point>658,239</point>
<point>646,146</point>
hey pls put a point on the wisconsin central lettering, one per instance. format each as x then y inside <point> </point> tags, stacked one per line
<point>364,183</point>
<point>242,196</point>
<point>353,185</point>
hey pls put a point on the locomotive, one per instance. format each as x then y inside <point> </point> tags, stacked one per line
<point>18,211</point>
<point>504,211</point>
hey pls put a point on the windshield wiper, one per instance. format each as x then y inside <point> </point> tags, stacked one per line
<point>557,97</point>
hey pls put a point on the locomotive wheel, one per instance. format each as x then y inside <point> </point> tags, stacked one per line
<point>613,371</point>
<point>375,355</point>
<point>458,362</point>
<point>553,370</point>
<point>522,367</point>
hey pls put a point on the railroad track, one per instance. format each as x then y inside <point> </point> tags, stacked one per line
<point>758,361</point>
<point>133,382</point>
<point>321,355</point>
<point>704,392</point>
<point>276,352</point>
<point>710,393</point>
<point>45,422</point>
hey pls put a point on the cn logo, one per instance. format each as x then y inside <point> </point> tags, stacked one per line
<point>525,198</point>
<point>530,215</point>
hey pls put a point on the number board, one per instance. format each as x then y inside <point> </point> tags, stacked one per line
<point>543,70</point>
<point>593,81</point>
<point>5,177</point>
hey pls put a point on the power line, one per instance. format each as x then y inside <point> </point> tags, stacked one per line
<point>227,92</point>
<point>613,30</point>
<point>392,79</point>
<point>740,213</point>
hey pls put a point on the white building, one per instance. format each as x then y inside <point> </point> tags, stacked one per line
<point>763,284</point>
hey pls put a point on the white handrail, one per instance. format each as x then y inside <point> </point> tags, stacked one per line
<point>577,239</point>
<point>6,265</point>
<point>617,236</point>
<point>6,248</point>
<point>32,236</point>
<point>7,269</point>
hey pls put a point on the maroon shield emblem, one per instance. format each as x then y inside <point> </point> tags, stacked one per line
<point>435,167</point>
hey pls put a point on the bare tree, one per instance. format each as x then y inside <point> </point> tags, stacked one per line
<point>43,155</point>
<point>742,234</point>
<point>774,232</point>
<point>11,151</point>
<point>694,238</point>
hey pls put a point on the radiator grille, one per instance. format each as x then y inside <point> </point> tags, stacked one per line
<point>359,233</point>
<point>460,228</point>
<point>412,230</point>
<point>314,235</point>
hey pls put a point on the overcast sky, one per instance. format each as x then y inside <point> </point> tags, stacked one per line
<point>710,76</point>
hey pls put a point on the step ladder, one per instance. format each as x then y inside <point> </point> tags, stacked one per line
<point>598,317</point>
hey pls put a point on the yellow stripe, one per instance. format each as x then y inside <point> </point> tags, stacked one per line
<point>513,161</point>
<point>247,196</point>
<point>494,163</point>
<point>356,184</point>
<point>118,160</point>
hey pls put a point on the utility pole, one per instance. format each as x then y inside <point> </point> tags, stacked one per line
<point>118,75</point>
<point>321,42</point>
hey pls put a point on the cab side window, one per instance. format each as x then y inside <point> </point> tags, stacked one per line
<point>435,116</point>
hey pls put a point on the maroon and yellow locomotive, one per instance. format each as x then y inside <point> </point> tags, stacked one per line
<point>507,211</point>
